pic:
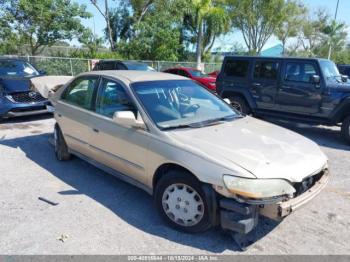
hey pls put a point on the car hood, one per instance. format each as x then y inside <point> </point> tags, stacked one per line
<point>340,87</point>
<point>263,149</point>
<point>15,84</point>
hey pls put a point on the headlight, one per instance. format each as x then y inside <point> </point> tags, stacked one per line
<point>257,188</point>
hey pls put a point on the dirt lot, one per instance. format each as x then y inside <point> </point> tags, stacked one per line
<point>98,214</point>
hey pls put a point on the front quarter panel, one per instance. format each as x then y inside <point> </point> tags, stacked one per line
<point>167,152</point>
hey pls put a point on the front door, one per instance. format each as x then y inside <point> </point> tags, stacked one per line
<point>298,94</point>
<point>121,148</point>
<point>264,84</point>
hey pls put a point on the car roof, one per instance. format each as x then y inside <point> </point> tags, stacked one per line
<point>121,61</point>
<point>132,76</point>
<point>275,58</point>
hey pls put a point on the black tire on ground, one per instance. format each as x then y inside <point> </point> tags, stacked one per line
<point>61,148</point>
<point>182,184</point>
<point>345,129</point>
<point>240,104</point>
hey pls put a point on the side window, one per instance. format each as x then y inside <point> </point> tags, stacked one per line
<point>121,66</point>
<point>108,66</point>
<point>182,73</point>
<point>236,68</point>
<point>80,92</point>
<point>266,70</point>
<point>112,97</point>
<point>300,72</point>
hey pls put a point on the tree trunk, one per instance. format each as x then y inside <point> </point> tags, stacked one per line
<point>109,29</point>
<point>199,44</point>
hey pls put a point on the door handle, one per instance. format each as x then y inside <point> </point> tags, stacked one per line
<point>95,130</point>
<point>256,84</point>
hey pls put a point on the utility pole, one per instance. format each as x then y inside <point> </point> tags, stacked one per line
<point>330,42</point>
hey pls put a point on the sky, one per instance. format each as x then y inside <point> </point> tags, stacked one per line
<point>97,23</point>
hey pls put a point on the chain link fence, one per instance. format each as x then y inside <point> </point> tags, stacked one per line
<point>75,66</point>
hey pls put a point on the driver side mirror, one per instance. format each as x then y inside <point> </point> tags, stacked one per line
<point>315,79</point>
<point>128,119</point>
<point>344,78</point>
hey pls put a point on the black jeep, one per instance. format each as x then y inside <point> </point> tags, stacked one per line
<point>302,89</point>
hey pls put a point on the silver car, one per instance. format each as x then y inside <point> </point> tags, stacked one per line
<point>204,163</point>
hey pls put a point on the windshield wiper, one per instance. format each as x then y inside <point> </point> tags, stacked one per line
<point>217,120</point>
<point>180,126</point>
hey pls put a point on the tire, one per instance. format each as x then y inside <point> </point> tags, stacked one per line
<point>173,196</point>
<point>345,129</point>
<point>240,105</point>
<point>61,148</point>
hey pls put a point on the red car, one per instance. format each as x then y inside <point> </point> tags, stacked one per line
<point>214,73</point>
<point>204,79</point>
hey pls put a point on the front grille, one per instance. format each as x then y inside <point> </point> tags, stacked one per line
<point>27,97</point>
<point>28,109</point>
<point>307,183</point>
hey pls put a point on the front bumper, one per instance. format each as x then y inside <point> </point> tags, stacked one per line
<point>10,109</point>
<point>283,209</point>
<point>243,217</point>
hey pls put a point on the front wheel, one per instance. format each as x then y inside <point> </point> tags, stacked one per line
<point>240,105</point>
<point>181,202</point>
<point>345,129</point>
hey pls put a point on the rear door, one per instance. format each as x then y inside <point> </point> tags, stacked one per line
<point>73,111</point>
<point>297,93</point>
<point>264,84</point>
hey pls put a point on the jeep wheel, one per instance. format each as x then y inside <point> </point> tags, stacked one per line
<point>240,105</point>
<point>181,202</point>
<point>61,148</point>
<point>345,129</point>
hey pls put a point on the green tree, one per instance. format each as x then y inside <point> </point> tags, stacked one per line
<point>336,35</point>
<point>90,41</point>
<point>40,23</point>
<point>157,39</point>
<point>206,20</point>
<point>292,23</point>
<point>311,37</point>
<point>257,20</point>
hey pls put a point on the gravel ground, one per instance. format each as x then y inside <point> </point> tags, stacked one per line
<point>98,214</point>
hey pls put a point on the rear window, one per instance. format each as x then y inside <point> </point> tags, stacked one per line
<point>236,68</point>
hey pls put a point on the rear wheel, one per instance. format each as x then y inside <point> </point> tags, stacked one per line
<point>181,202</point>
<point>61,148</point>
<point>240,105</point>
<point>345,129</point>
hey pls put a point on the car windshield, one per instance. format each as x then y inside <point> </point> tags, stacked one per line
<point>17,68</point>
<point>182,103</point>
<point>139,67</point>
<point>330,70</point>
<point>197,73</point>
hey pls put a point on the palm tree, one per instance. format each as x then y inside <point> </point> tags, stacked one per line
<point>333,31</point>
<point>209,20</point>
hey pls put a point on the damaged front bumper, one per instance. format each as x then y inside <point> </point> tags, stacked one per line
<point>282,209</point>
<point>242,218</point>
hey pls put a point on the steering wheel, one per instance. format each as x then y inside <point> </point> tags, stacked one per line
<point>192,108</point>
